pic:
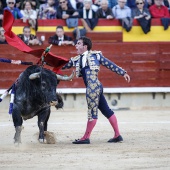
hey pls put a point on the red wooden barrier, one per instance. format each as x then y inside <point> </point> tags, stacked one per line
<point>148,64</point>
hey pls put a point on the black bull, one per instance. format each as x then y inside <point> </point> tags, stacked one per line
<point>35,93</point>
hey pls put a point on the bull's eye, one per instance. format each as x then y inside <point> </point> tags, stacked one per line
<point>43,85</point>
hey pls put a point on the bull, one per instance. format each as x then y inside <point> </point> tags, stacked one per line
<point>35,93</point>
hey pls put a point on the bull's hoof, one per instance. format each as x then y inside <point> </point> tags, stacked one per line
<point>41,140</point>
<point>17,136</point>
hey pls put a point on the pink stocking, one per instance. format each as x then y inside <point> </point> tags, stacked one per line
<point>113,122</point>
<point>89,128</point>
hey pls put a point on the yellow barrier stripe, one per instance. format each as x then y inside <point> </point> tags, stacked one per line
<point>18,29</point>
<point>157,34</point>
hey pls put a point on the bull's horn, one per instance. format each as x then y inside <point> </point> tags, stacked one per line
<point>65,78</point>
<point>34,76</point>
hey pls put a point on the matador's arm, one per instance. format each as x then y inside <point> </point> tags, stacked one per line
<point>68,65</point>
<point>72,63</point>
<point>111,65</point>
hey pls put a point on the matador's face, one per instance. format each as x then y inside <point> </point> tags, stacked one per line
<point>80,47</point>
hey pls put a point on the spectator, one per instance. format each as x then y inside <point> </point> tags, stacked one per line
<point>60,38</point>
<point>88,15</point>
<point>65,10</point>
<point>104,11</point>
<point>48,10</point>
<point>29,38</point>
<point>1,13</point>
<point>2,37</point>
<point>121,10</point>
<point>112,3</point>
<point>29,14</point>
<point>140,11</point>
<point>15,11</point>
<point>158,10</point>
<point>142,15</point>
<point>123,13</point>
<point>34,3</point>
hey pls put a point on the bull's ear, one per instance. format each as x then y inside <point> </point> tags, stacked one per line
<point>65,78</point>
<point>34,76</point>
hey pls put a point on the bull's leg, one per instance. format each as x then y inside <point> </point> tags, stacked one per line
<point>17,120</point>
<point>43,117</point>
<point>46,122</point>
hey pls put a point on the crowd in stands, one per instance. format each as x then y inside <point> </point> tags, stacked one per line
<point>88,11</point>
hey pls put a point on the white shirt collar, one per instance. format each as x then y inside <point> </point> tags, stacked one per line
<point>26,38</point>
<point>84,59</point>
<point>61,38</point>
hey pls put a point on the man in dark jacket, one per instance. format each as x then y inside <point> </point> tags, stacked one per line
<point>60,38</point>
<point>104,11</point>
<point>65,10</point>
<point>29,38</point>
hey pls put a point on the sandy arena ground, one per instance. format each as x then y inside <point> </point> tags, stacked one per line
<point>146,143</point>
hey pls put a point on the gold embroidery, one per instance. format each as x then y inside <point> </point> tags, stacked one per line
<point>95,52</point>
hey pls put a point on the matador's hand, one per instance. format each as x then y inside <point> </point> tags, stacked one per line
<point>127,77</point>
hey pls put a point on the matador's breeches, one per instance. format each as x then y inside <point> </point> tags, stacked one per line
<point>93,91</point>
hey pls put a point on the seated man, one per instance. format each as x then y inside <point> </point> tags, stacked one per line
<point>104,11</point>
<point>60,38</point>
<point>121,11</point>
<point>29,38</point>
<point>158,10</point>
<point>65,10</point>
<point>88,16</point>
<point>47,10</point>
<point>15,11</point>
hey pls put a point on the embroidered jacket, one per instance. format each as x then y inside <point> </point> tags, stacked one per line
<point>93,59</point>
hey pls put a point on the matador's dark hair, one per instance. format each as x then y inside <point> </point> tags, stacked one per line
<point>86,41</point>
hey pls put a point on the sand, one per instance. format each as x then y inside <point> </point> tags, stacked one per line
<point>146,143</point>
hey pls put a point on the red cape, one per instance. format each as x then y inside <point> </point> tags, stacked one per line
<point>15,41</point>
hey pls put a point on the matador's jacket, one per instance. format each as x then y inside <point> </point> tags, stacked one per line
<point>87,66</point>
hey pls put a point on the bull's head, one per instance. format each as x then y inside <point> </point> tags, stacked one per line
<point>59,77</point>
<point>45,87</point>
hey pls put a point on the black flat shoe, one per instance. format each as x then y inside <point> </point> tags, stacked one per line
<point>78,141</point>
<point>115,140</point>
